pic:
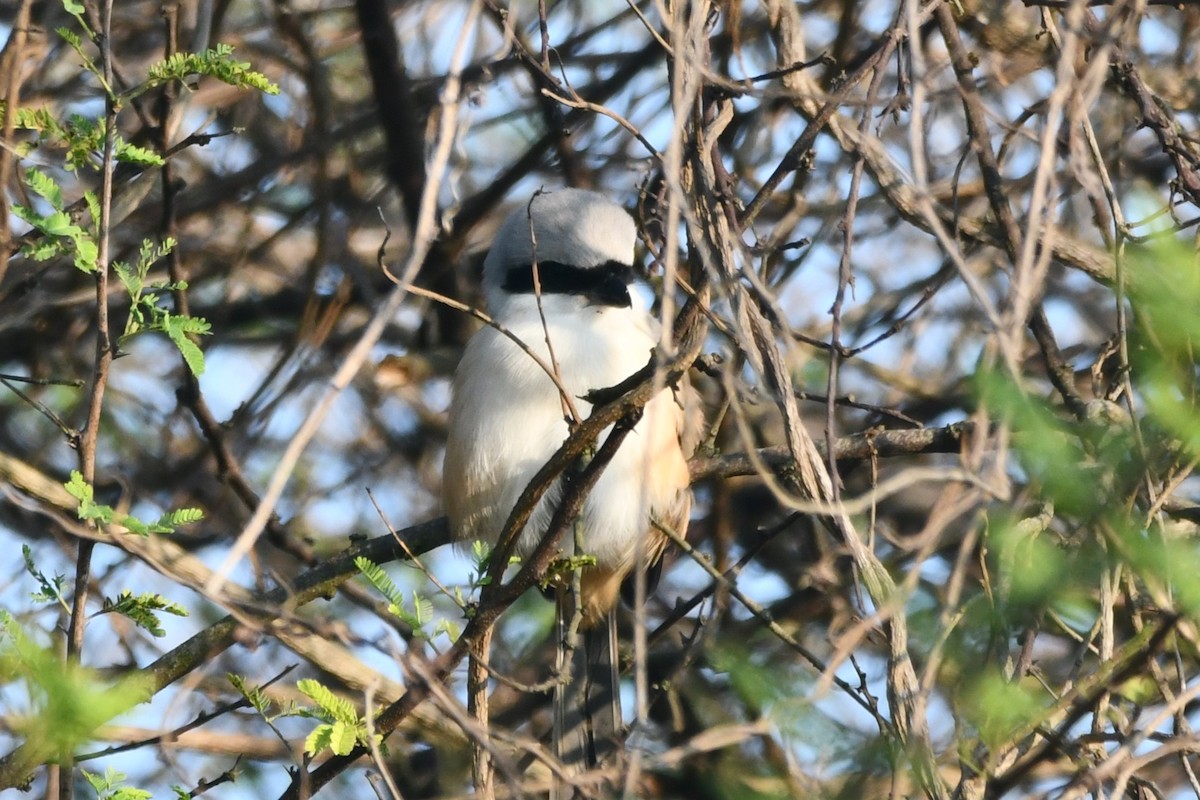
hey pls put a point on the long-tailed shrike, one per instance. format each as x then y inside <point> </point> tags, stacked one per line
<point>507,420</point>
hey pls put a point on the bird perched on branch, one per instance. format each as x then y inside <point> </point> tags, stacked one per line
<point>560,271</point>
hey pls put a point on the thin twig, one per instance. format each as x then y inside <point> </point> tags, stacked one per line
<point>423,238</point>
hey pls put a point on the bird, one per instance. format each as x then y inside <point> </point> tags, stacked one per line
<point>507,419</point>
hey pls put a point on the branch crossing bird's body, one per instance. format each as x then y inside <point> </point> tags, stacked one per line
<point>507,415</point>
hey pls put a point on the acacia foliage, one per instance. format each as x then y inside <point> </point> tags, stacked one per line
<point>952,244</point>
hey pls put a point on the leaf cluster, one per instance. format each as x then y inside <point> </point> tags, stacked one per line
<point>145,312</point>
<point>341,727</point>
<point>110,786</point>
<point>81,138</point>
<point>62,233</point>
<point>141,608</point>
<point>106,515</point>
<point>416,615</point>
<point>68,702</point>
<point>66,234</point>
<point>51,588</point>
<point>217,62</point>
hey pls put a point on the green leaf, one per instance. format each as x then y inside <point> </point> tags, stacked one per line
<point>146,315</point>
<point>167,523</point>
<point>1050,447</point>
<point>334,708</point>
<point>28,214</point>
<point>51,590</point>
<point>132,154</point>
<point>998,707</point>
<point>481,554</point>
<point>129,279</point>
<point>150,253</point>
<point>254,695</point>
<point>193,356</point>
<point>422,608</point>
<point>319,739</point>
<point>68,702</point>
<point>141,610</point>
<point>181,516</point>
<point>109,787</point>
<point>450,628</point>
<point>59,224</point>
<point>82,491</point>
<point>76,10</point>
<point>59,227</point>
<point>93,204</point>
<point>40,120</point>
<point>98,783</point>
<point>197,326</point>
<point>130,793</point>
<point>69,36</point>
<point>41,249</point>
<point>126,793</point>
<point>343,738</point>
<point>135,525</point>
<point>217,63</point>
<point>380,580</point>
<point>72,38</point>
<point>78,488</point>
<point>45,187</point>
<point>87,253</point>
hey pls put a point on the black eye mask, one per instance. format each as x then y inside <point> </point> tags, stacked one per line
<point>603,285</point>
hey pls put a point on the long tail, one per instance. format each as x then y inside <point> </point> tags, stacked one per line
<point>587,708</point>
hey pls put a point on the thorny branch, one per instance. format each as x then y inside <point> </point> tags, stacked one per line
<point>875,211</point>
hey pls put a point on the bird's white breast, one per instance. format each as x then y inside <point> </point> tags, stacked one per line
<point>507,420</point>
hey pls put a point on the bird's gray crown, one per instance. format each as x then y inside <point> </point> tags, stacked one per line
<point>571,227</point>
